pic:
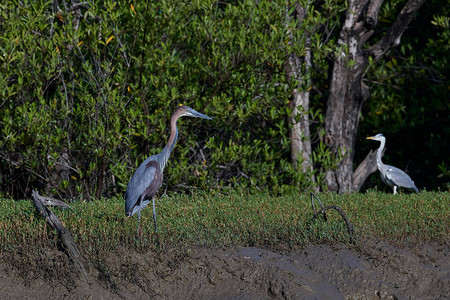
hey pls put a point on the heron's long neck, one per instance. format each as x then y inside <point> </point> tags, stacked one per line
<point>171,142</point>
<point>379,152</point>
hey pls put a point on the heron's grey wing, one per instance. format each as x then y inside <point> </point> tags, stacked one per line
<point>399,178</point>
<point>138,183</point>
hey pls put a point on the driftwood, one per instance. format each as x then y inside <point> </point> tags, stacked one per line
<point>364,170</point>
<point>70,246</point>
<point>323,210</point>
<point>49,201</point>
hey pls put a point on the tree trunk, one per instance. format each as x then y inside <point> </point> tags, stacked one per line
<point>299,119</point>
<point>347,95</point>
<point>299,69</point>
<point>347,91</point>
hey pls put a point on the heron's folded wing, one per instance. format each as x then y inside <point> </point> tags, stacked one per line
<point>138,183</point>
<point>399,177</point>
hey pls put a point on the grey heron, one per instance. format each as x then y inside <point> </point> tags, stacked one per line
<point>390,175</point>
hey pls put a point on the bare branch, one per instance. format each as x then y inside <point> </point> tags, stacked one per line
<point>371,17</point>
<point>49,201</point>
<point>314,207</point>
<point>365,168</point>
<point>76,6</point>
<point>395,32</point>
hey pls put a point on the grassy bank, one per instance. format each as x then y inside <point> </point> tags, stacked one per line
<point>251,219</point>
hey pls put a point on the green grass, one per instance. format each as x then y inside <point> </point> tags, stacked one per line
<point>236,219</point>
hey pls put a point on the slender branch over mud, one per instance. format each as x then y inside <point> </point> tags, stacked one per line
<point>41,204</point>
<point>324,209</point>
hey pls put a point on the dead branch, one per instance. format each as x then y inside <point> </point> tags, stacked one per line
<point>314,207</point>
<point>395,32</point>
<point>76,6</point>
<point>69,244</point>
<point>49,201</point>
<point>337,208</point>
<point>363,171</point>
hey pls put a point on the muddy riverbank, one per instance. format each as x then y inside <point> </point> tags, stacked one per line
<point>373,270</point>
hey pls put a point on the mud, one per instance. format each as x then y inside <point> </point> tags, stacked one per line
<point>373,270</point>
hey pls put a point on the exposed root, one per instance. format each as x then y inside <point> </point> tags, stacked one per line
<point>323,210</point>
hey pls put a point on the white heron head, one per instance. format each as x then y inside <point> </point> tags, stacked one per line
<point>379,137</point>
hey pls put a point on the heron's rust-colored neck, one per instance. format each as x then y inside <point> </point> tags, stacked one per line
<point>173,128</point>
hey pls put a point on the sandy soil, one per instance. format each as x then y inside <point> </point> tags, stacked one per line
<point>374,270</point>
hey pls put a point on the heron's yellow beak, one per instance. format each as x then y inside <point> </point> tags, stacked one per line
<point>369,138</point>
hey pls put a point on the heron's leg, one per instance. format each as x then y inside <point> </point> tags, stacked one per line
<point>395,189</point>
<point>139,220</point>
<point>154,215</point>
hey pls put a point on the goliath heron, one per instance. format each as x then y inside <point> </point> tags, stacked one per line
<point>147,179</point>
<point>390,175</point>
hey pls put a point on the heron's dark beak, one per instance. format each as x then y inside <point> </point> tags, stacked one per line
<point>196,114</point>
